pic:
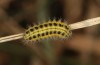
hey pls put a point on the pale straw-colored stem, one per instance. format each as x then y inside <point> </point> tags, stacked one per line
<point>85,23</point>
<point>78,25</point>
<point>11,37</point>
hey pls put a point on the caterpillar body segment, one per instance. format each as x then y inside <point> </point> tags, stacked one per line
<point>51,29</point>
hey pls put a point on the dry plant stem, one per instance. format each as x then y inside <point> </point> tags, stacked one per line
<point>11,37</point>
<point>82,24</point>
<point>85,23</point>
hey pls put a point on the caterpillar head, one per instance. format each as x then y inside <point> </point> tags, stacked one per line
<point>48,30</point>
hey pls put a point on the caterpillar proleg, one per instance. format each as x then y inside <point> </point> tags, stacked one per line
<point>50,29</point>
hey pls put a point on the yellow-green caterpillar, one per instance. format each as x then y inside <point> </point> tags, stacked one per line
<point>51,29</point>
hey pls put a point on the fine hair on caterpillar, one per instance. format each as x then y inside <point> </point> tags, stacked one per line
<point>48,30</point>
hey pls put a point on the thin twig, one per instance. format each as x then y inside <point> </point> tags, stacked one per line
<point>82,24</point>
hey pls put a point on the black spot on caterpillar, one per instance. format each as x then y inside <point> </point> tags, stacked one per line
<point>50,29</point>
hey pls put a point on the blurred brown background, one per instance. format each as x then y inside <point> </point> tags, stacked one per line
<point>83,48</point>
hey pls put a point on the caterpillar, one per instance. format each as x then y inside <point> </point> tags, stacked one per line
<point>51,29</point>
